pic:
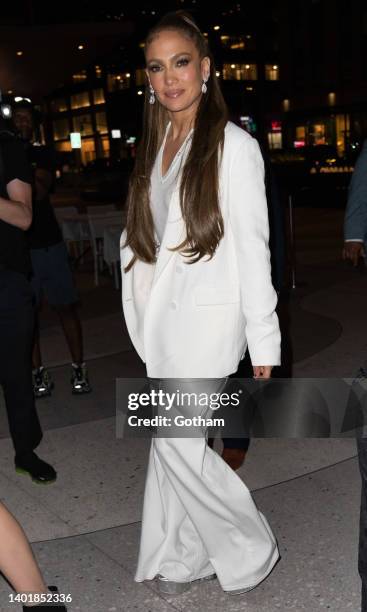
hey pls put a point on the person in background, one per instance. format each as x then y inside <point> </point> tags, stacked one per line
<point>235,449</point>
<point>50,261</point>
<point>355,231</point>
<point>16,306</point>
<point>19,566</point>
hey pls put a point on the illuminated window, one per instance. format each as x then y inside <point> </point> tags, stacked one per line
<point>61,129</point>
<point>240,72</point>
<point>272,72</point>
<point>101,122</point>
<point>98,70</point>
<point>106,146</point>
<point>233,42</point>
<point>98,96</point>
<point>80,100</point>
<point>63,146</point>
<point>275,140</point>
<point>88,150</point>
<point>301,134</point>
<point>342,125</point>
<point>318,134</point>
<point>140,77</point>
<point>80,76</point>
<point>83,124</point>
<point>118,81</point>
<point>59,105</point>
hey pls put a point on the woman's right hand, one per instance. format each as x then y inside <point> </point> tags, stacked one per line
<point>262,371</point>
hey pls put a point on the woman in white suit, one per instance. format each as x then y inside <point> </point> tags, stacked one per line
<point>196,290</point>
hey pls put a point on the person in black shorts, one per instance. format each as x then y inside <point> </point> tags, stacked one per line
<point>50,261</point>
<point>16,307</point>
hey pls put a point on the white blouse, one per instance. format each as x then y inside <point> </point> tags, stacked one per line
<point>162,187</point>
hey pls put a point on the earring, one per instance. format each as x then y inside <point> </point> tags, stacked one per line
<point>152,96</point>
<point>204,88</point>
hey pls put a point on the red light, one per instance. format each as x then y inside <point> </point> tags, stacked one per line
<point>276,126</point>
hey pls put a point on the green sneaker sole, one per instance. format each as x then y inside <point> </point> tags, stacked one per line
<point>40,482</point>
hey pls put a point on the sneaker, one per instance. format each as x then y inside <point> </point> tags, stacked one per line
<point>40,471</point>
<point>42,383</point>
<point>79,379</point>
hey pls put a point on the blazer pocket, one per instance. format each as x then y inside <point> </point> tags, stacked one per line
<point>211,296</point>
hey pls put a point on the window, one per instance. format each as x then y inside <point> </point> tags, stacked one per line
<point>98,96</point>
<point>140,77</point>
<point>275,140</point>
<point>106,146</point>
<point>98,71</point>
<point>271,72</point>
<point>80,100</point>
<point>101,122</point>
<point>88,150</point>
<point>59,105</point>
<point>233,42</point>
<point>318,134</point>
<point>61,129</point>
<point>118,81</point>
<point>240,72</point>
<point>300,140</point>
<point>342,125</point>
<point>63,146</point>
<point>83,124</point>
<point>80,76</point>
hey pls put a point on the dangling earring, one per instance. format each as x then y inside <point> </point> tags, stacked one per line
<point>152,96</point>
<point>204,88</point>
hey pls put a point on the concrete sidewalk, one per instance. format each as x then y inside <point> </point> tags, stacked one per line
<point>85,527</point>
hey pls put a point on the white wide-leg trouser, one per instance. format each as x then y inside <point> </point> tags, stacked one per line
<point>198,515</point>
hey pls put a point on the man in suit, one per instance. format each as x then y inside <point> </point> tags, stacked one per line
<point>355,230</point>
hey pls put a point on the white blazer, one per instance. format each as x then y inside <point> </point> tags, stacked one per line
<point>196,320</point>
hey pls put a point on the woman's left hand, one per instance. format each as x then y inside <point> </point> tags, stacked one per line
<point>262,371</point>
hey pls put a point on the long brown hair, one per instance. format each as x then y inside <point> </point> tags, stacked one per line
<point>200,175</point>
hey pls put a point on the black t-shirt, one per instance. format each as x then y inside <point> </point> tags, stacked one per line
<point>14,253</point>
<point>44,231</point>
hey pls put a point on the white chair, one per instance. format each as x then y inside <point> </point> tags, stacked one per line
<point>70,232</point>
<point>97,224</point>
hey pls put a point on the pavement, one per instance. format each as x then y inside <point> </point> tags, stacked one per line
<point>85,528</point>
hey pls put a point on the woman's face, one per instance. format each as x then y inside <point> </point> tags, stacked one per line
<point>175,70</point>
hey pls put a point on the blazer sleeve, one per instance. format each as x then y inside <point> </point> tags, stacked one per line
<point>355,220</point>
<point>248,218</point>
